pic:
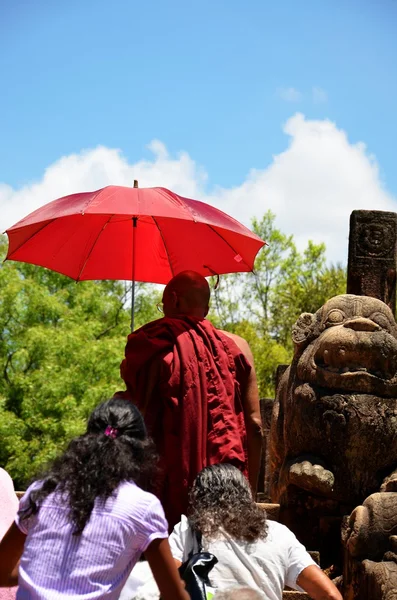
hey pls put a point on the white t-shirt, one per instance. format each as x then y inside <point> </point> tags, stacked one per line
<point>266,565</point>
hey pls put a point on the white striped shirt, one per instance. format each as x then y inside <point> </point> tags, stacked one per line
<point>57,564</point>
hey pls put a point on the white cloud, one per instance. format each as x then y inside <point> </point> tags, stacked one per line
<point>319,95</point>
<point>312,186</point>
<point>93,169</point>
<point>290,94</point>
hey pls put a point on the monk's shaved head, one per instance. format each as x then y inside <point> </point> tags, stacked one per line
<point>192,286</point>
<point>187,293</point>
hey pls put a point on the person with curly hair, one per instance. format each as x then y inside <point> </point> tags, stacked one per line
<point>82,527</point>
<point>251,551</point>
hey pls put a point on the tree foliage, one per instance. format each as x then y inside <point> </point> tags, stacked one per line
<point>61,343</point>
<point>60,349</point>
<point>262,306</point>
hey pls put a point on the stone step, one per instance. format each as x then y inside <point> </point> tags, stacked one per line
<point>273,510</point>
<point>295,596</point>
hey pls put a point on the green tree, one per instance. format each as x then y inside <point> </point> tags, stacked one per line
<point>61,344</point>
<point>262,306</point>
<point>307,283</point>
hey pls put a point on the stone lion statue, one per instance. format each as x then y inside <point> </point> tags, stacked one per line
<point>369,537</point>
<point>334,424</point>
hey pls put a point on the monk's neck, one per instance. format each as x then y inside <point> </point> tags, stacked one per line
<point>192,315</point>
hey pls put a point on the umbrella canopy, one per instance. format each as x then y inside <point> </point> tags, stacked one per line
<point>139,234</point>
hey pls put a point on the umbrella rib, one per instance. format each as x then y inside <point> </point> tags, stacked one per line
<point>165,246</point>
<point>91,200</point>
<point>92,248</point>
<point>230,246</point>
<point>32,236</point>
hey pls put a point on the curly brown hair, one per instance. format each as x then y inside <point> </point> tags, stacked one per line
<point>221,498</point>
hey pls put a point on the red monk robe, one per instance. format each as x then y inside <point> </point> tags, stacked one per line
<point>188,379</point>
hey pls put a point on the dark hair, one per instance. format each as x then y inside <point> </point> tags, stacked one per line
<point>221,497</point>
<point>95,463</point>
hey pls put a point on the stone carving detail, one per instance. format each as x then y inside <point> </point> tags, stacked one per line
<point>334,429</point>
<point>366,533</point>
<point>369,537</point>
<point>372,255</point>
<point>333,443</point>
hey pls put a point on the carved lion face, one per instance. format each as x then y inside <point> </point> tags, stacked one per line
<point>350,344</point>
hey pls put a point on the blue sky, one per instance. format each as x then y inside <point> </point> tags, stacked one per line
<point>216,79</point>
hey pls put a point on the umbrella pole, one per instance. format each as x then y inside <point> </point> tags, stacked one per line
<point>134,223</point>
<point>132,305</point>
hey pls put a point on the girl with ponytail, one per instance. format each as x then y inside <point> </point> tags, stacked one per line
<point>82,526</point>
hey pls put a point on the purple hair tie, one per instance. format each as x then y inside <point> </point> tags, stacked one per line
<point>111,432</point>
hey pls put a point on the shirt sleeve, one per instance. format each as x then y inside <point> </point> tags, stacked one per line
<point>155,525</point>
<point>180,540</point>
<point>299,559</point>
<point>24,523</point>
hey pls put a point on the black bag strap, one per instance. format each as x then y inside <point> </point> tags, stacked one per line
<point>196,537</point>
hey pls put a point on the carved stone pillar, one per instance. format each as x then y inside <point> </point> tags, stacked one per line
<point>371,267</point>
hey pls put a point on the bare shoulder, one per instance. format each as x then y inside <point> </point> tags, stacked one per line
<point>241,343</point>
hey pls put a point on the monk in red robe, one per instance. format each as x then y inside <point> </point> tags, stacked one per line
<point>196,388</point>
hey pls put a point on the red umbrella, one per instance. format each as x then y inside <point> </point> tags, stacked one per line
<point>139,234</point>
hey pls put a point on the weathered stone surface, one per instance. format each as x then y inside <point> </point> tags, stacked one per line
<point>367,532</point>
<point>279,373</point>
<point>334,427</point>
<point>370,558</point>
<point>334,430</point>
<point>266,406</point>
<point>372,255</point>
<point>272,510</point>
<point>378,581</point>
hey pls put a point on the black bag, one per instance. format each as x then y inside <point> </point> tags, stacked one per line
<point>195,570</point>
<point>194,573</point>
